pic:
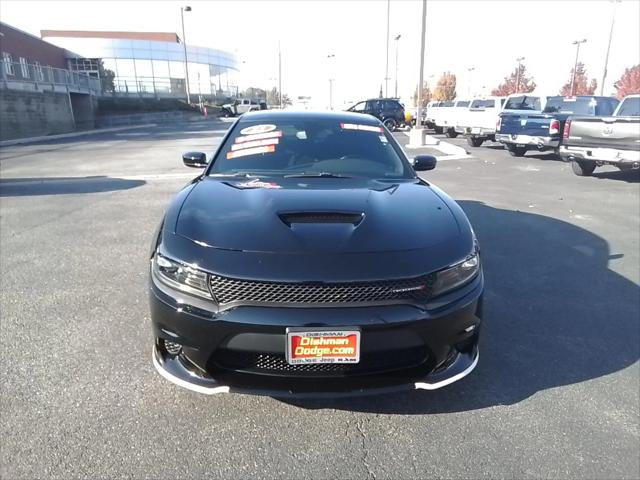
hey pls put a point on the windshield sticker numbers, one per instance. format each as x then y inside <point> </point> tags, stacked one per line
<point>258,129</point>
<point>251,151</point>
<point>256,183</point>
<point>258,136</point>
<point>254,143</point>
<point>357,126</point>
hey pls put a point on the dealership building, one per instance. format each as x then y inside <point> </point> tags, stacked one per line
<point>148,63</point>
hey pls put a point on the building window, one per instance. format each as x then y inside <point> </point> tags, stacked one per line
<point>24,68</point>
<point>39,73</point>
<point>7,62</point>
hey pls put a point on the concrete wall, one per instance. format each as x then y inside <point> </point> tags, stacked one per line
<point>30,114</point>
<point>83,110</point>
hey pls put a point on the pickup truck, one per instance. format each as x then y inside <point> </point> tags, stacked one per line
<point>589,142</point>
<point>446,118</point>
<point>479,122</point>
<point>242,105</point>
<point>539,125</point>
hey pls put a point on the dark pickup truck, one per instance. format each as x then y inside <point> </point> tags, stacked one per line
<point>530,127</point>
<point>589,142</point>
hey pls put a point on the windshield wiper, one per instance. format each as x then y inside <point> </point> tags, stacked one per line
<point>315,175</point>
<point>238,174</point>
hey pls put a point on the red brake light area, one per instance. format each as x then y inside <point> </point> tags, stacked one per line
<point>567,129</point>
<point>554,127</point>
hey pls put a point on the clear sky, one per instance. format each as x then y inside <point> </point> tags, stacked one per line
<point>486,35</point>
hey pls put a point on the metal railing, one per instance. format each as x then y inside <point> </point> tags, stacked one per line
<point>42,77</point>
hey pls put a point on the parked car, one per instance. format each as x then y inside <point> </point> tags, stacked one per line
<point>446,118</point>
<point>542,129</point>
<point>388,110</point>
<point>310,258</point>
<point>478,124</point>
<point>432,110</point>
<point>242,105</point>
<point>589,142</point>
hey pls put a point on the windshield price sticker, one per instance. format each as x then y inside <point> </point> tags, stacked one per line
<point>323,347</point>
<point>254,143</point>
<point>257,183</point>
<point>254,129</point>
<point>258,136</point>
<point>251,151</point>
<point>357,126</point>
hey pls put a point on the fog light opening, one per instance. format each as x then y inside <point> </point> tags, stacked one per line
<point>172,348</point>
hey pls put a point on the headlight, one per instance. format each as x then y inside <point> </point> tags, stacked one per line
<point>180,276</point>
<point>456,275</point>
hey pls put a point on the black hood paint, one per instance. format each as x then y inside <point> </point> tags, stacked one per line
<point>410,228</point>
<point>397,216</point>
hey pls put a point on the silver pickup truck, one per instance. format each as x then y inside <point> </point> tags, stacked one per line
<point>589,142</point>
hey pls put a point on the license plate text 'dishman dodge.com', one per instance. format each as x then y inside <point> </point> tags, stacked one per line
<point>305,346</point>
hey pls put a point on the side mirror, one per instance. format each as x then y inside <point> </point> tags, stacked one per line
<point>424,162</point>
<point>195,159</point>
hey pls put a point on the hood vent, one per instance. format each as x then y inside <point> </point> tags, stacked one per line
<point>321,217</point>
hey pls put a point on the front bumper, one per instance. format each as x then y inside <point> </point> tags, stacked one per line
<point>476,131</point>
<point>242,350</point>
<point>605,155</point>
<point>528,140</point>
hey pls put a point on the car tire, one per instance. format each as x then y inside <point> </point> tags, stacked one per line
<point>390,123</point>
<point>474,141</point>
<point>517,151</point>
<point>582,168</point>
<point>451,133</point>
<point>437,130</point>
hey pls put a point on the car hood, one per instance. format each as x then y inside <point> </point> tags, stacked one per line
<point>315,215</point>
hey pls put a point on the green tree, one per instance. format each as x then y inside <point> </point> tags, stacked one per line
<point>273,98</point>
<point>446,87</point>
<point>107,78</point>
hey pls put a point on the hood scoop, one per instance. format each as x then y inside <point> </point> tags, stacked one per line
<point>290,218</point>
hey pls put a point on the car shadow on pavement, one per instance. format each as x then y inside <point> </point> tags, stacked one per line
<point>630,176</point>
<point>25,187</point>
<point>554,315</point>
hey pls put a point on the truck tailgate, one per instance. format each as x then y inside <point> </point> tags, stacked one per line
<point>605,132</point>
<point>533,124</point>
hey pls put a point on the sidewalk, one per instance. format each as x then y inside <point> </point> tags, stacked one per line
<point>441,149</point>
<point>19,141</point>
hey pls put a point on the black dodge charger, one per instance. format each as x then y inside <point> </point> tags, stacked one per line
<point>310,259</point>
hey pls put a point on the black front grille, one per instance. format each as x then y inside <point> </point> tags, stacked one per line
<point>276,364</point>
<point>235,291</point>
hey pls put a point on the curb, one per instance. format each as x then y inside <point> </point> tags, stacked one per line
<point>18,141</point>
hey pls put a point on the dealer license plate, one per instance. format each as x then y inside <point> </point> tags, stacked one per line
<point>323,346</point>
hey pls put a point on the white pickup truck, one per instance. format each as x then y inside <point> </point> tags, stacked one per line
<point>446,118</point>
<point>478,123</point>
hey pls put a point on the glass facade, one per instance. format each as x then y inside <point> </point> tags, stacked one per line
<point>153,68</point>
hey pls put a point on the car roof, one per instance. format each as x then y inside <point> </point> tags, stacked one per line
<point>285,115</point>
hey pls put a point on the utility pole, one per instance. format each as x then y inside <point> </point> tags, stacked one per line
<point>417,134</point>
<point>280,74</point>
<point>519,60</point>
<point>396,39</point>
<point>386,68</point>
<point>470,70</point>
<point>606,59</point>
<point>184,44</point>
<point>575,65</point>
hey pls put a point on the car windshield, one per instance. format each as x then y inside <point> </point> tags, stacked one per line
<point>313,147</point>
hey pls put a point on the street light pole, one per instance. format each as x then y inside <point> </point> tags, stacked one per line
<point>519,60</point>
<point>386,68</point>
<point>280,75</point>
<point>396,39</point>
<point>417,134</point>
<point>184,44</point>
<point>575,65</point>
<point>329,57</point>
<point>606,59</point>
<point>470,70</point>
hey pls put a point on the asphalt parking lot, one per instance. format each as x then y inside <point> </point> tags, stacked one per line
<point>556,392</point>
